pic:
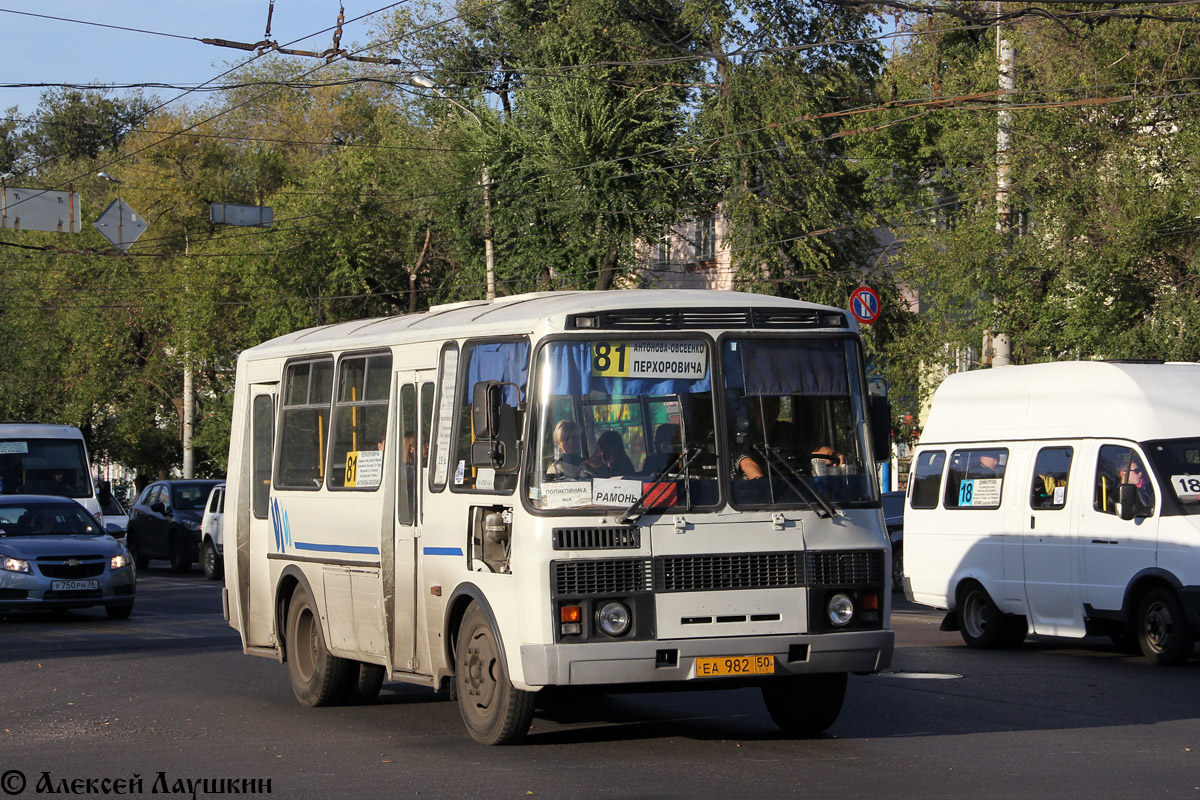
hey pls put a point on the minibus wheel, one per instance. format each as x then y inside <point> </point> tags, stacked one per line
<point>1163,631</point>
<point>805,705</point>
<point>318,678</point>
<point>494,711</point>
<point>982,624</point>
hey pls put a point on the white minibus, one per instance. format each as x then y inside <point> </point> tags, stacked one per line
<point>37,458</point>
<point>1061,499</point>
<point>566,489</point>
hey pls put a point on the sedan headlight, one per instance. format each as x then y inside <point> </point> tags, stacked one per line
<point>11,564</point>
<point>118,561</point>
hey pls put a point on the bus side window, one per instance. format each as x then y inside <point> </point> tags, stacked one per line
<point>927,479</point>
<point>262,433</point>
<point>360,421</point>
<point>975,478</point>
<point>1050,472</point>
<point>406,478</point>
<point>304,425</point>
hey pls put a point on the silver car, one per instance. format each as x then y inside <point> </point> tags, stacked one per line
<point>55,555</point>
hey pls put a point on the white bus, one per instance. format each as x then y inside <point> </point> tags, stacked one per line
<point>398,506</point>
<point>37,458</point>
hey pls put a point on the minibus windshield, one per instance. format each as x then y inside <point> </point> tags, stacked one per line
<point>32,465</point>
<point>1177,463</point>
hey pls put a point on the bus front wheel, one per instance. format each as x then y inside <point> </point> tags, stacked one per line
<point>493,710</point>
<point>318,678</point>
<point>805,705</point>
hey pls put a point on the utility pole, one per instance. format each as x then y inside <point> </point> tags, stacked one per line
<point>999,344</point>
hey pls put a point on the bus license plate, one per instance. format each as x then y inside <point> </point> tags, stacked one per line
<point>73,586</point>
<point>735,665</point>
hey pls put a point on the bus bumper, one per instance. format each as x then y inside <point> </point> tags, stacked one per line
<point>675,660</point>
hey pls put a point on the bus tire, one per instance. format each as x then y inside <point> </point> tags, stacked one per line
<point>1162,629</point>
<point>493,710</point>
<point>982,625</point>
<point>362,683</point>
<point>318,678</point>
<point>211,562</point>
<point>805,705</point>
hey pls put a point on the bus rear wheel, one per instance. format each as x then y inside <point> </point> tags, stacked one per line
<point>318,678</point>
<point>493,710</point>
<point>805,705</point>
<point>362,683</point>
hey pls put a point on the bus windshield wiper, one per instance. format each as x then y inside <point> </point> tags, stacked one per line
<point>823,508</point>
<point>661,479</point>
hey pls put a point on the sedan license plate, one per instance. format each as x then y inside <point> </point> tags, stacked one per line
<point>73,586</point>
<point>735,665</point>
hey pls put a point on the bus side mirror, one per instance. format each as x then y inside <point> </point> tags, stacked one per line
<point>496,427</point>
<point>880,411</point>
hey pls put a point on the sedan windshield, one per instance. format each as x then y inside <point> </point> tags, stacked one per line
<point>47,519</point>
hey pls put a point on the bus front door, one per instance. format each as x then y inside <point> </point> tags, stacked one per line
<point>414,413</point>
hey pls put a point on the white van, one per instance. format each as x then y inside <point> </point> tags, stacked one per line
<point>1061,499</point>
<point>37,458</point>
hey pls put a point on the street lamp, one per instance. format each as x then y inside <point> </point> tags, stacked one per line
<point>425,83</point>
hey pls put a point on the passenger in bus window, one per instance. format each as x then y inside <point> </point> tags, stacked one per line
<point>667,449</point>
<point>609,458</point>
<point>408,455</point>
<point>568,461</point>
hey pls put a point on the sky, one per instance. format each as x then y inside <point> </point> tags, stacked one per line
<point>46,49</point>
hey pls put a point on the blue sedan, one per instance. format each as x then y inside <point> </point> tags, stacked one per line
<point>55,555</point>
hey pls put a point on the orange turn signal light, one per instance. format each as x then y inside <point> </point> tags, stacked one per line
<point>870,602</point>
<point>570,614</point>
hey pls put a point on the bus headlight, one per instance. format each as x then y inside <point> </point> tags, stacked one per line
<point>613,618</point>
<point>840,609</point>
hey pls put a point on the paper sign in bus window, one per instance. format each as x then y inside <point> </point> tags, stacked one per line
<point>13,447</point>
<point>1187,487</point>
<point>566,494</point>
<point>684,360</point>
<point>364,468</point>
<point>979,492</point>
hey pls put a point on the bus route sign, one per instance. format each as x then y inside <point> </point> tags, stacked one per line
<point>864,304</point>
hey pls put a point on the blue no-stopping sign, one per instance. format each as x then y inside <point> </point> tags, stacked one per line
<point>864,304</point>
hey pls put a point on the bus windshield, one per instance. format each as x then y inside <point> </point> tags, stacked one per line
<point>30,465</point>
<point>617,419</point>
<point>795,422</point>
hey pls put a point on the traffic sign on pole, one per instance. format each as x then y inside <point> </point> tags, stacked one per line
<point>120,224</point>
<point>864,304</point>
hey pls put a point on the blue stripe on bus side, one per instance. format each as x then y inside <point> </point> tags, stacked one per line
<point>336,548</point>
<point>442,551</point>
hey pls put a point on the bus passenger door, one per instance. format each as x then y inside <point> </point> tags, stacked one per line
<point>1050,545</point>
<point>413,415</point>
<point>254,572</point>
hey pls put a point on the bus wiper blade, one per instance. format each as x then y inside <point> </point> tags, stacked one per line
<point>788,473</point>
<point>666,476</point>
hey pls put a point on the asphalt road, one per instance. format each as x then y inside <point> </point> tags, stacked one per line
<point>169,692</point>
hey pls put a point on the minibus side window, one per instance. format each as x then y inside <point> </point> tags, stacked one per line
<point>1115,465</point>
<point>441,445</point>
<point>360,422</point>
<point>1050,472</point>
<point>927,478</point>
<point>304,424</point>
<point>975,478</point>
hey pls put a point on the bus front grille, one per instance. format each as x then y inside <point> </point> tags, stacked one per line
<point>844,567</point>
<point>624,537</point>
<point>735,571</point>
<point>601,576</point>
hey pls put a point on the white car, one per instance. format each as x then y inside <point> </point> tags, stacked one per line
<point>212,554</point>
